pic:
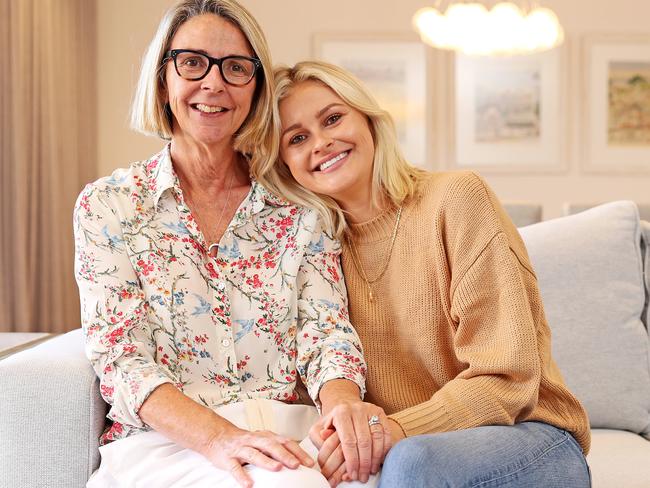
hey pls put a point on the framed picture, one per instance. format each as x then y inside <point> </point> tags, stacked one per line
<point>394,68</point>
<point>616,115</point>
<point>508,113</point>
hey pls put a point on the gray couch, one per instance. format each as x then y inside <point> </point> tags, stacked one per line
<point>594,275</point>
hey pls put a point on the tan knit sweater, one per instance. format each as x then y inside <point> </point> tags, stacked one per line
<point>456,336</point>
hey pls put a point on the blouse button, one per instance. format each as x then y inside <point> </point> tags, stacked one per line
<point>221,286</point>
<point>225,342</point>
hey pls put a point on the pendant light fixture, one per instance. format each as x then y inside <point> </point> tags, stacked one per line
<point>489,27</point>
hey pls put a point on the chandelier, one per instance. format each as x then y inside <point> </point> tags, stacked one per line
<point>472,27</point>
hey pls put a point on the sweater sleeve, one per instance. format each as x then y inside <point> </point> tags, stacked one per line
<point>496,339</point>
<point>494,309</point>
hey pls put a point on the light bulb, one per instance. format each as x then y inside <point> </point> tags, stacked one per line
<point>506,28</point>
<point>432,27</point>
<point>543,29</point>
<point>468,27</point>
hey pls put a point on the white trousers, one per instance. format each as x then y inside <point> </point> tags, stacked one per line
<point>151,460</point>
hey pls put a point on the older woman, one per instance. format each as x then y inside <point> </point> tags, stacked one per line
<point>206,301</point>
<point>443,296</point>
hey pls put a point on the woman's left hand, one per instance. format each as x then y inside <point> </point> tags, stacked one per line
<point>347,443</point>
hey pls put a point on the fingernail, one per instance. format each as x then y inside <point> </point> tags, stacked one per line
<point>353,475</point>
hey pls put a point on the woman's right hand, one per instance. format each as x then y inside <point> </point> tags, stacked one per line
<point>232,448</point>
<point>348,447</point>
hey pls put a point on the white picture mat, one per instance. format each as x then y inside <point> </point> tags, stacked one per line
<point>395,72</point>
<point>600,155</point>
<point>542,153</point>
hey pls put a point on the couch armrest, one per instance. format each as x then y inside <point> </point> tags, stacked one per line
<point>51,416</point>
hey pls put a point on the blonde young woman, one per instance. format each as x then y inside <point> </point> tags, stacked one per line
<point>441,292</point>
<point>206,300</point>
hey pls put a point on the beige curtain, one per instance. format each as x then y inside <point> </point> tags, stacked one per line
<point>48,152</point>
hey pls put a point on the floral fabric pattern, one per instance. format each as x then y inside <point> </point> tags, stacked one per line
<point>268,310</point>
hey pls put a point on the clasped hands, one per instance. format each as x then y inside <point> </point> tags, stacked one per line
<point>350,445</point>
<point>349,448</point>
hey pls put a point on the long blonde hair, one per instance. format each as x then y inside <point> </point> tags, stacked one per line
<point>149,112</point>
<point>393,176</point>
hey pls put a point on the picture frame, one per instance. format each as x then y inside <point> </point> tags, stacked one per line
<point>395,68</point>
<point>616,104</point>
<point>508,113</point>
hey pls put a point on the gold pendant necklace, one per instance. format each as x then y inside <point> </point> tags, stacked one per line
<point>356,258</point>
<point>215,245</point>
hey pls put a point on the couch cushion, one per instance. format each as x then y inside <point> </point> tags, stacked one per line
<point>590,275</point>
<point>619,459</point>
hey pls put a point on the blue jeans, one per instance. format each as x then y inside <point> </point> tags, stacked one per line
<point>530,454</point>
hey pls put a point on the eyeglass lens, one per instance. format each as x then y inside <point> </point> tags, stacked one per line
<point>235,70</point>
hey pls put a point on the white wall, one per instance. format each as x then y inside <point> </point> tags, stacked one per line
<point>125,28</point>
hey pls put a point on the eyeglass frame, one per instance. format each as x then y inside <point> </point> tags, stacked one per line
<point>173,53</point>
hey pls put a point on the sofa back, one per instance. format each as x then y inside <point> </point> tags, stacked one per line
<point>573,208</point>
<point>523,213</point>
<point>592,269</point>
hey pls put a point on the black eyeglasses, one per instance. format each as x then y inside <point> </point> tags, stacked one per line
<point>193,66</point>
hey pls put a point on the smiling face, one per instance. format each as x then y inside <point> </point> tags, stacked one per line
<point>326,143</point>
<point>208,111</point>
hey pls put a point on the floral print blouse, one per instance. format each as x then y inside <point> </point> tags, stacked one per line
<point>268,310</point>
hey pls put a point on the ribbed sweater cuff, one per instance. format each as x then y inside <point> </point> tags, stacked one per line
<point>425,418</point>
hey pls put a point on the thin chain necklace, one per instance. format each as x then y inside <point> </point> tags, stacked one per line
<point>356,259</point>
<point>225,204</point>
